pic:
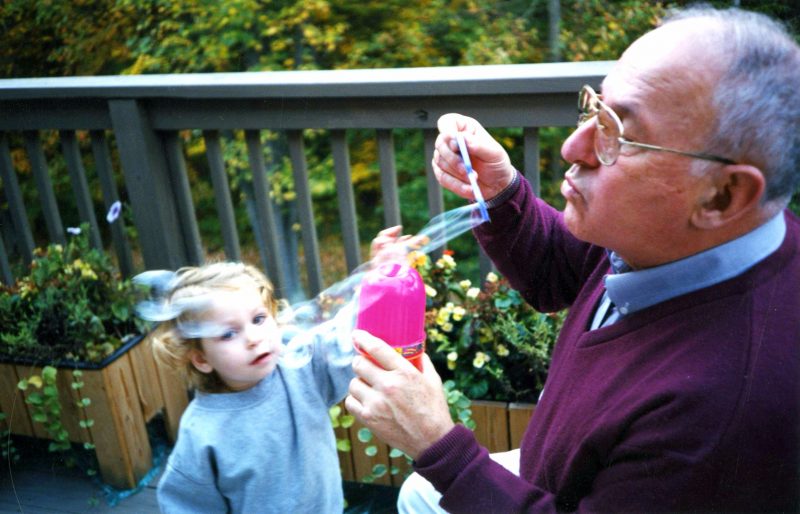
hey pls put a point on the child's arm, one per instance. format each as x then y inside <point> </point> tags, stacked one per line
<point>180,494</point>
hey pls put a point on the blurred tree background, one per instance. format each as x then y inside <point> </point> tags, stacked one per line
<point>49,38</point>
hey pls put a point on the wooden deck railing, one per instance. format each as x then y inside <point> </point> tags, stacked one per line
<point>142,116</point>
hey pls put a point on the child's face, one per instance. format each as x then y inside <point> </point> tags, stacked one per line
<point>248,349</point>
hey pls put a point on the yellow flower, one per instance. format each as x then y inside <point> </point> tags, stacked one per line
<point>85,269</point>
<point>447,327</point>
<point>417,259</point>
<point>446,262</point>
<point>491,277</point>
<point>464,284</point>
<point>452,357</point>
<point>430,291</point>
<point>502,351</point>
<point>473,292</point>
<point>458,313</point>
<point>25,290</point>
<point>480,359</point>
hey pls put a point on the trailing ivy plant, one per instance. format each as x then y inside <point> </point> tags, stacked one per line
<point>46,410</point>
<point>7,448</point>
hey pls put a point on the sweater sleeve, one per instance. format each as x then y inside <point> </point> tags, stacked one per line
<point>470,481</point>
<point>530,245</point>
<point>177,493</point>
<point>333,369</point>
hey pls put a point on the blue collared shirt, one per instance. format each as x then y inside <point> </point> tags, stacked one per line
<point>631,291</point>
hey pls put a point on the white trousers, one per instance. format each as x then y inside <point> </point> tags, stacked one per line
<point>418,496</point>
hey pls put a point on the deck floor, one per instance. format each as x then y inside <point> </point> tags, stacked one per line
<point>40,483</point>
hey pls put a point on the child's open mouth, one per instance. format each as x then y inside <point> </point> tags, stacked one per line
<point>261,359</point>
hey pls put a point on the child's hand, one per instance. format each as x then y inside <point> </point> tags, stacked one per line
<point>389,245</point>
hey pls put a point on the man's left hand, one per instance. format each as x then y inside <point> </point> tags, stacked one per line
<point>403,407</point>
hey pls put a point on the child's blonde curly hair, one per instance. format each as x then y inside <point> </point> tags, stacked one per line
<point>171,347</point>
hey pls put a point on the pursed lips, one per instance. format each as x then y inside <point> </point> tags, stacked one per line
<point>569,176</point>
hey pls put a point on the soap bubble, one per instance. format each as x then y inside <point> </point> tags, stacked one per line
<point>325,323</point>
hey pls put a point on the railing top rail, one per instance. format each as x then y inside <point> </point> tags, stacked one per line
<point>433,81</point>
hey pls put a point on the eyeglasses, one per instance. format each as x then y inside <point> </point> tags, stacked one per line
<point>608,134</point>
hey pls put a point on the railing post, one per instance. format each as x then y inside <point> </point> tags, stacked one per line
<point>306,211</point>
<point>268,226</point>
<point>222,195</point>
<point>530,144</point>
<point>52,217</point>
<point>391,202</point>
<point>347,207</point>
<point>435,196</point>
<point>5,268</point>
<point>184,204</point>
<point>22,229</point>
<point>80,187</point>
<point>149,189</point>
<point>102,162</point>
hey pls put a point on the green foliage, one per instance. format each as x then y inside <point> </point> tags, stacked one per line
<point>72,305</point>
<point>491,342</point>
<point>794,205</point>
<point>7,448</point>
<point>600,30</point>
<point>58,38</point>
<point>46,409</point>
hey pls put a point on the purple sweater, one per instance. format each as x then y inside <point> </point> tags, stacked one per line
<point>689,405</point>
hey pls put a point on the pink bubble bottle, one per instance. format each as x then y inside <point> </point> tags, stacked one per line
<point>391,306</point>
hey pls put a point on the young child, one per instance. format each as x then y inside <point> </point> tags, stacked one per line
<point>257,436</point>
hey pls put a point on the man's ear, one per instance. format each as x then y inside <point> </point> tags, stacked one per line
<point>733,192</point>
<point>199,361</point>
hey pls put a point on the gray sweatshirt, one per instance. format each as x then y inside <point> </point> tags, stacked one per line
<point>268,449</point>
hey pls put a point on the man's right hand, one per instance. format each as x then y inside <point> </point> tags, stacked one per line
<point>489,160</point>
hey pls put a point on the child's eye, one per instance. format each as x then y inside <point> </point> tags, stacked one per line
<point>259,319</point>
<point>227,335</point>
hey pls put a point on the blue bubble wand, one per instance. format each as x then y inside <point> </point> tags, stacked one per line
<point>472,176</point>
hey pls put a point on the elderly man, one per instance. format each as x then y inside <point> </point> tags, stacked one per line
<point>674,385</point>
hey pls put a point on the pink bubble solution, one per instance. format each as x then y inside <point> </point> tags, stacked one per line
<point>391,306</point>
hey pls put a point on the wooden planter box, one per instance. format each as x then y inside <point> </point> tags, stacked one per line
<point>126,390</point>
<point>499,427</point>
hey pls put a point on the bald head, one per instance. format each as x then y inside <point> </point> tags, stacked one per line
<point>754,68</point>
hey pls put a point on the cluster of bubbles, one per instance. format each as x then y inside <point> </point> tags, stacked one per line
<point>322,324</point>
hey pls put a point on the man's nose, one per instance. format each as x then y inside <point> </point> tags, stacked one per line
<point>579,146</point>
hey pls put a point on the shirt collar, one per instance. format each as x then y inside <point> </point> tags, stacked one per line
<point>636,290</point>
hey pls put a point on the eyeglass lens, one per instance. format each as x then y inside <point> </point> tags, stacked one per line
<point>606,137</point>
<point>607,129</point>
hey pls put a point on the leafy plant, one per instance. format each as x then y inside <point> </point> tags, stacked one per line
<point>490,342</point>
<point>46,410</point>
<point>7,448</point>
<point>71,306</point>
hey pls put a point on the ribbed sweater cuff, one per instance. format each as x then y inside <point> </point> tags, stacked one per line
<point>441,463</point>
<point>506,193</point>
